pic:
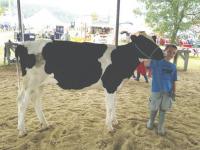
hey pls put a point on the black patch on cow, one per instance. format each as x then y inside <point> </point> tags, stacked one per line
<point>26,60</point>
<point>75,65</point>
<point>124,61</point>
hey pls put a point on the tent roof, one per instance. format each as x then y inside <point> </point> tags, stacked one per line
<point>41,19</point>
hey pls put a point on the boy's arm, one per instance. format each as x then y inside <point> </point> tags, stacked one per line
<point>174,87</point>
<point>173,94</point>
<point>147,62</point>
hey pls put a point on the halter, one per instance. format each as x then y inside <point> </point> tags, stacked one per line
<point>149,57</point>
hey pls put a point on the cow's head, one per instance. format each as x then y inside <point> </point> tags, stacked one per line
<point>146,47</point>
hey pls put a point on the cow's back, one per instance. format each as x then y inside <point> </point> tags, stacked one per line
<point>74,65</point>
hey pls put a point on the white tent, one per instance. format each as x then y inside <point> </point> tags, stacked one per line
<point>117,19</point>
<point>8,19</point>
<point>42,19</point>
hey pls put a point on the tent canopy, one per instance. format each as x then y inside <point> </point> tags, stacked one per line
<point>42,19</point>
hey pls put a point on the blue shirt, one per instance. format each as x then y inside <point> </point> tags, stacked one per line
<point>164,74</point>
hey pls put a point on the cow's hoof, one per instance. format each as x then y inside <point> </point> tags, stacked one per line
<point>22,134</point>
<point>44,127</point>
<point>161,131</point>
<point>115,122</point>
<point>111,129</point>
<point>111,132</point>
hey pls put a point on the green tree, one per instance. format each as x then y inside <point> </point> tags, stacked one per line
<point>5,5</point>
<point>170,16</point>
<point>1,10</point>
<point>94,16</point>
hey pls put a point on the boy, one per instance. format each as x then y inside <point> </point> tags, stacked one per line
<point>164,75</point>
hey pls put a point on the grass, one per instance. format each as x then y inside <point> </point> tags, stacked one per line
<point>1,55</point>
<point>193,64</point>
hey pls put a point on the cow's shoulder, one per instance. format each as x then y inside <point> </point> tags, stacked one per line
<point>124,54</point>
<point>96,49</point>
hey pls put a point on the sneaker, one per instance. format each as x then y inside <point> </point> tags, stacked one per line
<point>161,131</point>
<point>149,125</point>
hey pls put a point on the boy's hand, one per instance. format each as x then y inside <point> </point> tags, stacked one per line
<point>173,96</point>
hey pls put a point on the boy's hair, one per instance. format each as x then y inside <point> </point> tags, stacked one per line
<point>170,46</point>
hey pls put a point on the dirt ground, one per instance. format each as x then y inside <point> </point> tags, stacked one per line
<point>77,118</point>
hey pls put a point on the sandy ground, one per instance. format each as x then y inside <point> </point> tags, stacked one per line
<point>78,118</point>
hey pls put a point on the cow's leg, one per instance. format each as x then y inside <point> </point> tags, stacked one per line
<point>23,100</point>
<point>114,119</point>
<point>38,108</point>
<point>110,110</point>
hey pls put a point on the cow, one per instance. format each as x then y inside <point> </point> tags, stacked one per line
<point>73,65</point>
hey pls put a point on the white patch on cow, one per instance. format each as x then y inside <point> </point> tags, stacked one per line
<point>105,60</point>
<point>35,47</point>
<point>50,80</point>
<point>35,98</point>
<point>110,110</point>
<point>36,76</point>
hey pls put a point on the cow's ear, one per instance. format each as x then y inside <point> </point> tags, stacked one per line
<point>133,38</point>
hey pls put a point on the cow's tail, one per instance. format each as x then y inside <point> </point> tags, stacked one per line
<point>18,74</point>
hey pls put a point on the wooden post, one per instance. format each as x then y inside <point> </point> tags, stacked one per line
<point>20,24</point>
<point>184,54</point>
<point>186,60</point>
<point>117,23</point>
<point>175,58</point>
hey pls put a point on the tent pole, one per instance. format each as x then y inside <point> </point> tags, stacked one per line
<point>20,24</point>
<point>117,23</point>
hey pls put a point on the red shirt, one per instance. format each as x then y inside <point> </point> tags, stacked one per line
<point>141,68</point>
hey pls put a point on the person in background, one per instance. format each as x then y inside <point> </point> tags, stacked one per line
<point>164,75</point>
<point>141,70</point>
<point>66,35</point>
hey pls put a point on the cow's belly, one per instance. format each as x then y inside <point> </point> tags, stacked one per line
<point>51,80</point>
<point>77,77</point>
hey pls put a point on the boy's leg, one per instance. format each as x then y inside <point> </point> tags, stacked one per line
<point>150,123</point>
<point>138,76</point>
<point>165,106</point>
<point>161,130</point>
<point>146,79</point>
<point>154,104</point>
<point>134,75</point>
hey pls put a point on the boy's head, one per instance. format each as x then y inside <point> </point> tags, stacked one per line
<point>170,51</point>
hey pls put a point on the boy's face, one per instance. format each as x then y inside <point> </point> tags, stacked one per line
<point>170,53</point>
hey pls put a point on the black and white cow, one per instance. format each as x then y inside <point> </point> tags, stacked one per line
<point>73,65</point>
